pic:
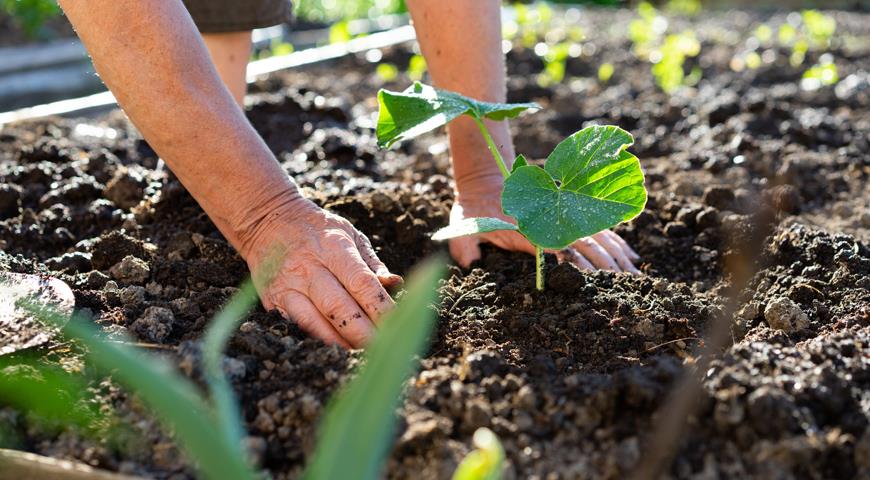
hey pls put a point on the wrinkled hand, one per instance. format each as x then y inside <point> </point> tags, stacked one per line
<point>329,279</point>
<point>604,250</point>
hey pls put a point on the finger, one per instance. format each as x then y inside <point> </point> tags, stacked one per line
<point>367,252</point>
<point>632,255</point>
<point>511,241</point>
<point>465,250</point>
<point>616,251</point>
<point>357,278</point>
<point>300,310</point>
<point>342,311</point>
<point>575,257</point>
<point>596,254</point>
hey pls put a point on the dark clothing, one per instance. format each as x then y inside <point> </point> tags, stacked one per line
<point>218,16</point>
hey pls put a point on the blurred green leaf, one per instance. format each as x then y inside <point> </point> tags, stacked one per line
<point>339,32</point>
<point>333,10</point>
<point>174,399</point>
<point>387,72</point>
<point>357,430</point>
<point>416,68</point>
<point>819,75</point>
<point>819,26</point>
<point>49,393</point>
<point>213,344</point>
<point>605,72</point>
<point>282,48</point>
<point>484,463</point>
<point>31,14</point>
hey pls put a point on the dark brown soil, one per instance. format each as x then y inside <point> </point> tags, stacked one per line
<point>569,379</point>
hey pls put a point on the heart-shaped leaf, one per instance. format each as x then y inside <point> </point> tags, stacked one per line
<point>589,183</point>
<point>472,226</point>
<point>421,108</point>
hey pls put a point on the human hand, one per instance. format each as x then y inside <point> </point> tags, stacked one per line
<point>329,279</point>
<point>605,250</point>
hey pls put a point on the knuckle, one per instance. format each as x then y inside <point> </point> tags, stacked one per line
<point>362,282</point>
<point>333,306</point>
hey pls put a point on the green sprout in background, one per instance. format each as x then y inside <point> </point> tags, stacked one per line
<point>822,74</point>
<point>31,14</point>
<point>688,8</point>
<point>811,30</point>
<point>334,10</point>
<point>387,72</point>
<point>589,183</point>
<point>668,70</point>
<point>605,72</point>
<point>339,32</point>
<point>555,61</point>
<point>667,53</point>
<point>416,68</point>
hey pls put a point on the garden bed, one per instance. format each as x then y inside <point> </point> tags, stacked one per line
<point>570,378</point>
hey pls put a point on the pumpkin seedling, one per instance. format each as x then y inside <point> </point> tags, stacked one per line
<point>589,183</point>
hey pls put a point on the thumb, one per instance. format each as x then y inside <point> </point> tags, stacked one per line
<point>465,250</point>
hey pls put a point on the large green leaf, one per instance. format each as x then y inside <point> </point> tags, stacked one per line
<point>421,108</point>
<point>589,183</point>
<point>357,430</point>
<point>472,226</point>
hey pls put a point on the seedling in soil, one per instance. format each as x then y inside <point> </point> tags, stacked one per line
<point>668,71</point>
<point>416,68</point>
<point>822,74</point>
<point>589,183</point>
<point>666,53</point>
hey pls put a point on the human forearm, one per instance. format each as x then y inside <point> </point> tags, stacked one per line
<point>151,56</point>
<point>461,40</point>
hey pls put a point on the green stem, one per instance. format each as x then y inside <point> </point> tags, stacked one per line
<point>539,268</point>
<point>492,148</point>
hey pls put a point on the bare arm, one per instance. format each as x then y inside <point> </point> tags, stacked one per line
<point>149,53</point>
<point>151,56</point>
<point>461,41</point>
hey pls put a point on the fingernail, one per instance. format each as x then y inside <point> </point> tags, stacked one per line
<point>389,279</point>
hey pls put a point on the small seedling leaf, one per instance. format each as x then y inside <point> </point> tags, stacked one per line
<point>519,162</point>
<point>589,183</point>
<point>472,226</point>
<point>357,429</point>
<point>421,108</point>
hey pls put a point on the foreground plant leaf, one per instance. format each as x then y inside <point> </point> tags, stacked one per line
<point>421,108</point>
<point>174,399</point>
<point>214,342</point>
<point>589,183</point>
<point>357,431</point>
<point>484,463</point>
<point>472,226</point>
